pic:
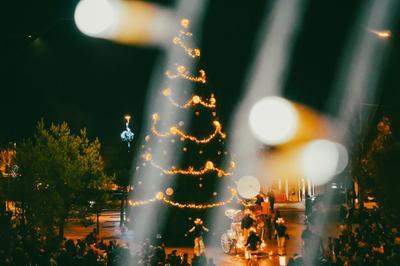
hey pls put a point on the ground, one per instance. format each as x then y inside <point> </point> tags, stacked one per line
<point>293,213</point>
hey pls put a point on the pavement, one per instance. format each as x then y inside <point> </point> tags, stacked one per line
<point>325,225</point>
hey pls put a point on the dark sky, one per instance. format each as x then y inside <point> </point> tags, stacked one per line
<point>61,75</point>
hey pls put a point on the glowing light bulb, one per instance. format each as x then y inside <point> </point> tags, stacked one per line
<point>185,23</point>
<point>209,165</point>
<point>155,117</point>
<point>94,17</point>
<point>160,195</point>
<point>167,92</point>
<point>196,99</point>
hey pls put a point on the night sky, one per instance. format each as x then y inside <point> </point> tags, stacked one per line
<point>62,75</point>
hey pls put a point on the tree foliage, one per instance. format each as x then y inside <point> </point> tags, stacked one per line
<point>59,174</point>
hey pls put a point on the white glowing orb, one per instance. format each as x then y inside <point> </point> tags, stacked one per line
<point>94,17</point>
<point>322,159</point>
<point>273,120</point>
<point>248,187</point>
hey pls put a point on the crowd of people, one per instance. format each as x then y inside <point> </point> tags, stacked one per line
<point>371,241</point>
<point>35,249</point>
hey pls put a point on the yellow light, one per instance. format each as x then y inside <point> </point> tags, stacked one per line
<point>160,195</point>
<point>176,131</point>
<point>148,157</point>
<point>169,191</point>
<point>185,23</point>
<point>195,100</point>
<point>208,167</point>
<point>155,117</point>
<point>181,72</point>
<point>167,92</point>
<point>190,51</point>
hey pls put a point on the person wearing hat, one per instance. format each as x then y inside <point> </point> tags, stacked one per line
<point>198,229</point>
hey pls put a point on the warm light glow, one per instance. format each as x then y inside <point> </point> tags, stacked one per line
<point>319,161</point>
<point>93,17</point>
<point>208,167</point>
<point>128,118</point>
<point>195,100</point>
<point>384,34</point>
<point>182,72</point>
<point>160,196</point>
<point>176,131</point>
<point>248,187</point>
<point>169,191</point>
<point>190,51</point>
<point>273,120</point>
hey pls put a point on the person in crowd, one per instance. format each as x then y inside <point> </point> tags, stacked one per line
<point>281,235</point>
<point>198,230</point>
<point>253,240</point>
<point>246,223</point>
<point>306,237</point>
<point>308,207</point>
<point>271,200</point>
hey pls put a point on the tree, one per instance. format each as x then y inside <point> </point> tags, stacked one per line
<point>60,173</point>
<point>368,175</point>
<point>197,172</point>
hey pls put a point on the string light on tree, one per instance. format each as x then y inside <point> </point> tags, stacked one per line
<point>199,101</point>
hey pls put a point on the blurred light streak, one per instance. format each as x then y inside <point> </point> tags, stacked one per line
<point>126,22</point>
<point>360,68</point>
<point>277,35</point>
<point>148,220</point>
<point>384,34</point>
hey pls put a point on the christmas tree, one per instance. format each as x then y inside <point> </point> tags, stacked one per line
<point>199,169</point>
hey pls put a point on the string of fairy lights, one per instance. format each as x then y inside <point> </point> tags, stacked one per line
<point>195,100</point>
<point>176,131</point>
<point>182,72</point>
<point>160,196</point>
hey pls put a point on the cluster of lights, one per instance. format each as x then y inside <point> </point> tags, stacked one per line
<point>161,197</point>
<point>190,51</point>
<point>195,100</point>
<point>175,131</point>
<point>208,167</point>
<point>182,72</point>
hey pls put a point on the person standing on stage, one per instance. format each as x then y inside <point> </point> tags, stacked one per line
<point>198,229</point>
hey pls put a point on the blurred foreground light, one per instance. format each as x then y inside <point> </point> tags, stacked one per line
<point>273,120</point>
<point>322,159</point>
<point>248,187</point>
<point>127,22</point>
<point>93,17</point>
<point>384,34</point>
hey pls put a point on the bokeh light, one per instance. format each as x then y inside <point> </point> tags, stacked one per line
<point>322,159</point>
<point>94,17</point>
<point>273,120</point>
<point>169,191</point>
<point>248,187</point>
